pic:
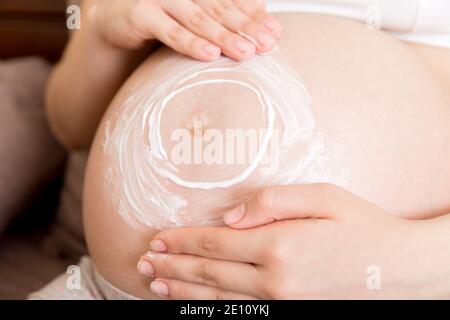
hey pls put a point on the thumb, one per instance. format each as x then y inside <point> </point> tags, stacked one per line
<point>276,203</point>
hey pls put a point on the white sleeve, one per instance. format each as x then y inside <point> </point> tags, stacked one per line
<point>432,24</point>
<point>433,17</point>
<point>396,15</point>
<point>423,21</point>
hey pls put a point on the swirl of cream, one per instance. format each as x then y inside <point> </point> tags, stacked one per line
<point>139,167</point>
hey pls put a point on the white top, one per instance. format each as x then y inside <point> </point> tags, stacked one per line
<point>423,21</point>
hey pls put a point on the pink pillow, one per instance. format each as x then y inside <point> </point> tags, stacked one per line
<point>29,155</point>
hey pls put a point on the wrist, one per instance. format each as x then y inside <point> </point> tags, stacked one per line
<point>107,27</point>
<point>90,47</point>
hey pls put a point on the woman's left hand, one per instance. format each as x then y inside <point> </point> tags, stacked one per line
<point>296,242</point>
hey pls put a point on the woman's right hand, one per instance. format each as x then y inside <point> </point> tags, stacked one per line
<point>201,29</point>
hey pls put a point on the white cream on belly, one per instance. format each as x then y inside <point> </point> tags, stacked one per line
<point>139,169</point>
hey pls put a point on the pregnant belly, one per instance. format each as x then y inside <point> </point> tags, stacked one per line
<point>371,97</point>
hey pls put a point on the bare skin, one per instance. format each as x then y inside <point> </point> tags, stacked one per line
<point>117,35</point>
<point>315,241</point>
<point>394,129</point>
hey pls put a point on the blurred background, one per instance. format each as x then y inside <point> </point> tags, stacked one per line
<point>32,27</point>
<point>35,244</point>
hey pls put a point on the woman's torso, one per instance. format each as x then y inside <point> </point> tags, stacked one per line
<point>372,95</point>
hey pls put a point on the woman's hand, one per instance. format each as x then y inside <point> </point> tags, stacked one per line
<point>202,29</point>
<point>318,241</point>
<point>101,56</point>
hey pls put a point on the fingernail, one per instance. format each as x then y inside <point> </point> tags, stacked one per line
<point>159,288</point>
<point>243,46</point>
<point>235,215</point>
<point>212,50</point>
<point>158,246</point>
<point>265,40</point>
<point>157,256</point>
<point>145,268</point>
<point>273,25</point>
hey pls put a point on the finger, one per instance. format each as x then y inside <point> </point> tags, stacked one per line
<point>179,290</point>
<point>226,275</point>
<point>212,242</point>
<point>276,203</point>
<point>172,34</point>
<point>230,16</point>
<point>199,22</point>
<point>257,11</point>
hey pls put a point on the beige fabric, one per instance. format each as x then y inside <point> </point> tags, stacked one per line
<point>25,267</point>
<point>93,286</point>
<point>67,234</point>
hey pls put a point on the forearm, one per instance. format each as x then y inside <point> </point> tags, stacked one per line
<point>83,84</point>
